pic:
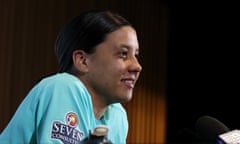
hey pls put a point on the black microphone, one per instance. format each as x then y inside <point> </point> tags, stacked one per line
<point>210,128</point>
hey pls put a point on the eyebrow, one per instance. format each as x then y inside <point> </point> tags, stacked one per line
<point>129,47</point>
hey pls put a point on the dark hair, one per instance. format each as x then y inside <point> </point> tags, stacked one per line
<point>85,32</point>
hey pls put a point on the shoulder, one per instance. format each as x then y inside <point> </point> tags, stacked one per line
<point>60,86</point>
<point>117,111</point>
<point>117,107</point>
<point>117,122</point>
<point>60,81</point>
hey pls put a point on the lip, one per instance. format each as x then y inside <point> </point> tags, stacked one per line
<point>129,82</point>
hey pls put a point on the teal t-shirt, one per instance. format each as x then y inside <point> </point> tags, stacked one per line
<point>59,110</point>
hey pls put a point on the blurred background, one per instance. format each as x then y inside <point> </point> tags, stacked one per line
<point>28,29</point>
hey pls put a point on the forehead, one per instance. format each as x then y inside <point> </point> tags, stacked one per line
<point>125,36</point>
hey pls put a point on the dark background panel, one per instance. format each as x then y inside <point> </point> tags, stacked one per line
<point>203,64</point>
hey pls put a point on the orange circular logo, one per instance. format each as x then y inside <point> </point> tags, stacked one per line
<point>71,119</point>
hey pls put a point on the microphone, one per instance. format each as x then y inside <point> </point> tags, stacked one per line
<point>210,128</point>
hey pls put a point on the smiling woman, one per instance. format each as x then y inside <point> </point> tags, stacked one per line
<point>96,52</point>
<point>28,32</point>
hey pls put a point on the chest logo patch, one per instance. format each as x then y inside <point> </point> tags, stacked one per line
<point>66,131</point>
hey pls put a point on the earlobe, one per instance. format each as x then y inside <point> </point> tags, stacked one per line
<point>79,60</point>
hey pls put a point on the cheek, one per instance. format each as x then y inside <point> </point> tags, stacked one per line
<point>107,68</point>
<point>109,74</point>
<point>111,71</point>
<point>115,69</point>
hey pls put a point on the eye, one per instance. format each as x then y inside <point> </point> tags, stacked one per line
<point>123,54</point>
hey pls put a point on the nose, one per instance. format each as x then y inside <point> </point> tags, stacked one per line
<point>135,66</point>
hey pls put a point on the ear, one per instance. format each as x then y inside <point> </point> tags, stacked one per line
<point>79,60</point>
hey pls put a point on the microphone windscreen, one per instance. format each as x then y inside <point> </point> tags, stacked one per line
<point>209,128</point>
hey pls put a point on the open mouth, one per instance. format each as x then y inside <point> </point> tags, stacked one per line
<point>128,82</point>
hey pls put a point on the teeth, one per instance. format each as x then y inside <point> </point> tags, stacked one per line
<point>129,81</point>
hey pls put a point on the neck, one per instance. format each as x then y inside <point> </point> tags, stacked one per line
<point>99,104</point>
<point>99,112</point>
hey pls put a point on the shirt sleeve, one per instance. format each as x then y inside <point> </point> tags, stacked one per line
<point>53,112</point>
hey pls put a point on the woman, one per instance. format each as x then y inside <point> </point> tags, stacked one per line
<point>97,54</point>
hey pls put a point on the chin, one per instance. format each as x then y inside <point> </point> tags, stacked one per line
<point>121,98</point>
<point>126,99</point>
